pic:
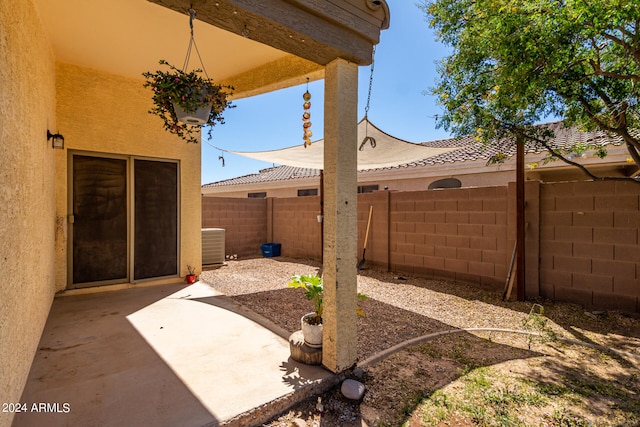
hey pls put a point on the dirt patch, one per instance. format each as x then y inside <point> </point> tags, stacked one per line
<point>466,380</point>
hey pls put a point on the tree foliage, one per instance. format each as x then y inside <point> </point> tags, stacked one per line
<point>515,62</point>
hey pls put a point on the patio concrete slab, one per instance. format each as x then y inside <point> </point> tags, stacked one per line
<point>162,355</point>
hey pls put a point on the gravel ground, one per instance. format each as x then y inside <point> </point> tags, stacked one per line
<point>404,307</point>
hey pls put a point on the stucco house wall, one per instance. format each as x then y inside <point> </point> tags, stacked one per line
<point>405,179</point>
<point>96,112</point>
<point>105,113</point>
<point>419,178</point>
<point>27,205</point>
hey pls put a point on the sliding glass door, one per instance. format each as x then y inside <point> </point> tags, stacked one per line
<point>124,220</point>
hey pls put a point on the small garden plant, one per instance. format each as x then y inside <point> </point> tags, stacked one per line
<point>536,322</point>
<point>313,290</point>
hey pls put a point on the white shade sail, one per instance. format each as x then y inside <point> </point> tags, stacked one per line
<point>388,151</point>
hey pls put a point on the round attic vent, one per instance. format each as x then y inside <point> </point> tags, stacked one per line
<point>445,183</point>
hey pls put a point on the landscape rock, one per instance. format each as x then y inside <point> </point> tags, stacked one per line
<point>358,373</point>
<point>298,422</point>
<point>352,389</point>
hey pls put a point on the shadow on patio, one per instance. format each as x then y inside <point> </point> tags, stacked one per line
<point>158,356</point>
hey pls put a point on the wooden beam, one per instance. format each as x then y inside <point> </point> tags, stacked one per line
<point>316,30</point>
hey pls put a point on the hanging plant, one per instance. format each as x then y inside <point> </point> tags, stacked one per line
<point>176,90</point>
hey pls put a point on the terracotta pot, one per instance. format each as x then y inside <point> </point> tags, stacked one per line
<point>312,333</point>
<point>191,279</point>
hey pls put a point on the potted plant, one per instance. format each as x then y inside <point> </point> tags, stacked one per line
<point>311,323</point>
<point>191,277</point>
<point>186,100</point>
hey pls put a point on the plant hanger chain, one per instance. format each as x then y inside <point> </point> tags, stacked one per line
<point>368,138</point>
<point>366,109</point>
<point>192,43</point>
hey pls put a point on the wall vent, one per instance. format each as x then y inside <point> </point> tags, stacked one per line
<point>212,246</point>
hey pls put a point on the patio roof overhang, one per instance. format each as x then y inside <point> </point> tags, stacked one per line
<point>255,46</point>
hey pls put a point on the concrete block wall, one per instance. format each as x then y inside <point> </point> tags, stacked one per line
<point>458,234</point>
<point>582,239</point>
<point>295,226</point>
<point>244,221</point>
<point>377,253</point>
<point>589,244</point>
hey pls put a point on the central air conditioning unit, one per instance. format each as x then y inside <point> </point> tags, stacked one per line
<point>212,246</point>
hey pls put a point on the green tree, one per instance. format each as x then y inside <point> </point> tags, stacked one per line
<point>515,62</point>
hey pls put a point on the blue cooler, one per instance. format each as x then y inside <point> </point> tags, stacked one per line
<point>271,249</point>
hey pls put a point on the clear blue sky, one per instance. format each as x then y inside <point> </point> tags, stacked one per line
<point>405,69</point>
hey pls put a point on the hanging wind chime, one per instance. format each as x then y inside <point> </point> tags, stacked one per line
<point>306,117</point>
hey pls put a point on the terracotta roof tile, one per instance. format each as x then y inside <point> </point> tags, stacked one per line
<point>276,173</point>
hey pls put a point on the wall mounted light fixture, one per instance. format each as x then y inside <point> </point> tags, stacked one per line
<point>57,140</point>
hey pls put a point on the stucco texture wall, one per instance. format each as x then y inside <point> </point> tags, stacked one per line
<point>27,214</point>
<point>406,179</point>
<point>105,113</point>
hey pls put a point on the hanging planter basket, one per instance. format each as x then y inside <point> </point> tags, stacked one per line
<point>187,100</point>
<point>197,118</point>
<point>195,114</point>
